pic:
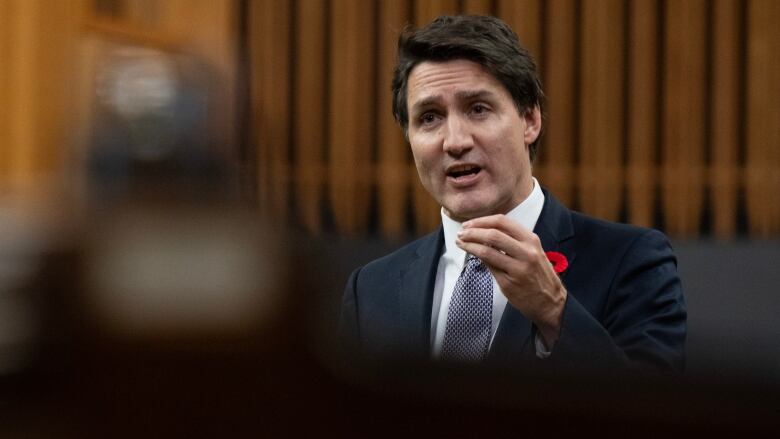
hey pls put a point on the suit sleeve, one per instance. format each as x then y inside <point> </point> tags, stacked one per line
<point>644,320</point>
<point>349,332</point>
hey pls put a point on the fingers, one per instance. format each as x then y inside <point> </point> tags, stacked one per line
<point>501,243</point>
<point>499,251</point>
<point>500,233</point>
<point>502,223</point>
<point>494,258</point>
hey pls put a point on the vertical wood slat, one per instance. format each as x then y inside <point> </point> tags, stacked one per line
<point>271,64</point>
<point>5,91</point>
<point>55,29</point>
<point>36,43</point>
<point>426,10</point>
<point>559,75</point>
<point>524,17</point>
<point>426,209</point>
<point>723,172</point>
<point>477,7</point>
<point>309,120</point>
<point>601,121</point>
<point>392,171</point>
<point>763,112</point>
<point>684,116</point>
<point>350,108</point>
<point>641,175</point>
<point>21,129</point>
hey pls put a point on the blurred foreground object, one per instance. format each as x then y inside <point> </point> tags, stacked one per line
<point>154,128</point>
<point>22,240</point>
<point>167,287</point>
<point>170,249</point>
<point>180,270</point>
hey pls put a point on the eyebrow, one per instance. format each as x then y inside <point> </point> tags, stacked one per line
<point>473,94</point>
<point>461,96</point>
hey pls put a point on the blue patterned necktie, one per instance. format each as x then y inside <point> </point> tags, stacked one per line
<point>470,317</point>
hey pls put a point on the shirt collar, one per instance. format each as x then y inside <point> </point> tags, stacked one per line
<point>526,214</point>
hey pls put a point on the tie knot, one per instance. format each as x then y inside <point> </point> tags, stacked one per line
<point>473,261</point>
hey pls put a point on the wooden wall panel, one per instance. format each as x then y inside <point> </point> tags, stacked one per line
<point>426,10</point>
<point>642,118</point>
<point>6,41</point>
<point>392,170</point>
<point>36,46</point>
<point>310,118</point>
<point>48,57</point>
<point>601,104</point>
<point>705,109</point>
<point>525,18</point>
<point>560,70</point>
<point>724,134</point>
<point>271,76</point>
<point>478,7</point>
<point>25,18</point>
<point>763,114</point>
<point>645,100</point>
<point>351,110</point>
<point>684,111</point>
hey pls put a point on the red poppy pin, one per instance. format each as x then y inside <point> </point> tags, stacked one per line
<point>558,261</point>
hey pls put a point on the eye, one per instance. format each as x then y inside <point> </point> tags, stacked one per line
<point>427,118</point>
<point>479,109</point>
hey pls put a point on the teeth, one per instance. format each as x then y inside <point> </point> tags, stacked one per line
<point>460,170</point>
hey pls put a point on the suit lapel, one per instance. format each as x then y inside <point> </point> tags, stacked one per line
<point>416,293</point>
<point>513,336</point>
<point>554,225</point>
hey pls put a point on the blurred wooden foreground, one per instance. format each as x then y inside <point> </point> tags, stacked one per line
<point>659,112</point>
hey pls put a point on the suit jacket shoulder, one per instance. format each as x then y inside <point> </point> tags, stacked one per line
<point>625,303</point>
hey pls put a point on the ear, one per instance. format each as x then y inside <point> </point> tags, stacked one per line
<point>533,125</point>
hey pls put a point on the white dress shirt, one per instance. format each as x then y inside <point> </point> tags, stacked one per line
<point>451,264</point>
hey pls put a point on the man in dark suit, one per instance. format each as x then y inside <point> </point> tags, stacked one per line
<point>512,275</point>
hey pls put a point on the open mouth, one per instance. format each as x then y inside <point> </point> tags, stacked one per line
<point>463,171</point>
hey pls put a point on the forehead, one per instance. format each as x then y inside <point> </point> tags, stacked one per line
<point>443,79</point>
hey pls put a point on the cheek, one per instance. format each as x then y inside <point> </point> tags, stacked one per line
<point>424,156</point>
<point>422,164</point>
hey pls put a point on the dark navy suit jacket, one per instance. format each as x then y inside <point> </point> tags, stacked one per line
<point>625,303</point>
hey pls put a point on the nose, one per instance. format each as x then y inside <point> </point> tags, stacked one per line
<point>457,138</point>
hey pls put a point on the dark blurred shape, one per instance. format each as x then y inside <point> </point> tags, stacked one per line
<point>167,296</point>
<point>153,130</point>
<point>22,239</point>
<point>731,290</point>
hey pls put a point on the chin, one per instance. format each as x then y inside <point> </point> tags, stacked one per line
<point>468,206</point>
<point>464,214</point>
